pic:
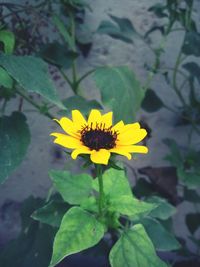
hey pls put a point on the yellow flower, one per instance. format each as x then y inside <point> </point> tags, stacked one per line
<point>98,137</point>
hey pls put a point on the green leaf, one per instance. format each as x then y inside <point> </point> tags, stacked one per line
<point>119,195</point>
<point>120,91</point>
<point>191,195</point>
<point>8,39</point>
<point>160,237</point>
<point>63,31</point>
<point>80,103</point>
<point>192,221</point>
<point>163,211</point>
<point>123,31</point>
<point>5,79</point>
<point>32,74</point>
<point>115,184</point>
<point>124,24</point>
<point>151,101</point>
<point>143,188</point>
<point>191,45</point>
<point>90,204</point>
<point>33,246</point>
<point>79,230</point>
<point>73,188</point>
<point>14,141</point>
<point>161,29</point>
<point>158,10</point>
<point>52,213</point>
<point>175,157</point>
<point>134,248</point>
<point>190,178</point>
<point>194,70</point>
<point>130,206</point>
<point>58,54</point>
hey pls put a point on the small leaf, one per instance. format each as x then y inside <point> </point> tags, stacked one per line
<point>191,195</point>
<point>90,204</point>
<point>124,30</point>
<point>190,178</point>
<point>63,31</point>
<point>8,39</point>
<point>32,74</point>
<point>175,157</point>
<point>194,70</point>
<point>79,230</point>
<point>52,213</point>
<point>120,91</point>
<point>164,210</point>
<point>161,29</point>
<point>134,248</point>
<point>109,28</point>
<point>130,206</point>
<point>58,55</point>
<point>143,188</point>
<point>191,45</point>
<point>192,221</point>
<point>73,188</point>
<point>115,184</point>
<point>160,237</point>
<point>125,25</point>
<point>14,141</point>
<point>5,79</point>
<point>158,10</point>
<point>151,101</point>
<point>80,103</point>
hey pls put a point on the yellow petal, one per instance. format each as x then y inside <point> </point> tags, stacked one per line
<point>66,141</point>
<point>94,118</point>
<point>106,119</point>
<point>78,119</point>
<point>117,127</point>
<point>100,157</point>
<point>130,149</point>
<point>81,150</point>
<point>130,127</point>
<point>68,126</point>
<point>136,149</point>
<point>131,137</point>
<point>121,152</point>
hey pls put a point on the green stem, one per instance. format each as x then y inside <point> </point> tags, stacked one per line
<point>66,78</point>
<point>74,77</point>
<point>84,76</point>
<point>74,71</point>
<point>101,192</point>
<point>3,107</point>
<point>157,53</point>
<point>178,71</point>
<point>33,103</point>
<point>174,83</point>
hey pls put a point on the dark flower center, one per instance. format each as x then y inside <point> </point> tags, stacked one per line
<point>98,138</point>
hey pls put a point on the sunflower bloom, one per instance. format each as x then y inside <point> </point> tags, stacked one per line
<point>98,137</point>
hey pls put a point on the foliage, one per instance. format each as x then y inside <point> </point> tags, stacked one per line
<point>14,141</point>
<point>86,227</point>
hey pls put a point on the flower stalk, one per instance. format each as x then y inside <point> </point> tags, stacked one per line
<point>101,192</point>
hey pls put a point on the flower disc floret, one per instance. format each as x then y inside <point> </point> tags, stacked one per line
<point>98,137</point>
